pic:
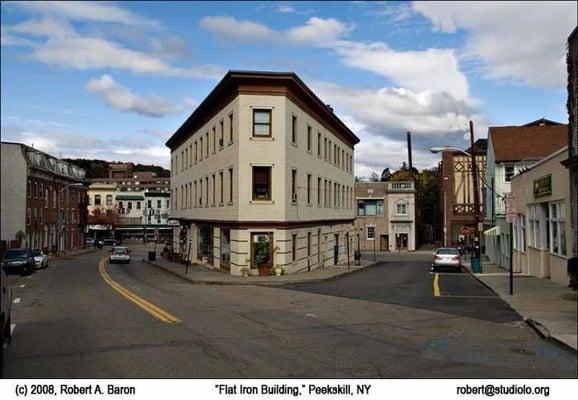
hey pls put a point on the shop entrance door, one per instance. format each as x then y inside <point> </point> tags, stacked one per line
<point>384,243</point>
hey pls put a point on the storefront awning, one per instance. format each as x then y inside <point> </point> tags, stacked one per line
<point>495,231</point>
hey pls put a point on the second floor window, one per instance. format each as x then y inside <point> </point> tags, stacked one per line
<point>308,138</point>
<point>369,208</point>
<point>401,209</point>
<point>294,129</point>
<point>262,123</point>
<point>109,199</point>
<point>261,183</point>
<point>96,199</point>
<point>509,172</point>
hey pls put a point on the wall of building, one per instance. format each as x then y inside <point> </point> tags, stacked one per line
<point>540,260</point>
<point>13,193</point>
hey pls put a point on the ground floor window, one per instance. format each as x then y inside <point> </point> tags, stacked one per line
<point>370,231</point>
<point>225,248</point>
<point>205,243</point>
<point>557,229</point>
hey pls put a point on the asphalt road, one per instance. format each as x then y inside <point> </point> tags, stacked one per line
<point>381,322</point>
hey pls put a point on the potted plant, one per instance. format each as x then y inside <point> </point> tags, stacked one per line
<point>245,271</point>
<point>279,270</point>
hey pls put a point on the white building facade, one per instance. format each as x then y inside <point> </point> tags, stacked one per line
<point>262,176</point>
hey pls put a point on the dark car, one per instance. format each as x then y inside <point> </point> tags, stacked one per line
<point>19,260</point>
<point>109,242</point>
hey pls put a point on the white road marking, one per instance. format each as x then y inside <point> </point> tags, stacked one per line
<point>23,285</point>
<point>311,315</point>
<point>28,277</point>
<point>17,300</point>
<point>12,328</point>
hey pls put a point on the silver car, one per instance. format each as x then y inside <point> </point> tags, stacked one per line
<point>40,259</point>
<point>447,257</point>
<point>119,254</point>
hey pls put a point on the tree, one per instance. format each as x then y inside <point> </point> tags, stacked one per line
<point>358,179</point>
<point>374,177</point>
<point>108,217</point>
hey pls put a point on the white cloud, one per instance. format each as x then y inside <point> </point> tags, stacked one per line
<point>319,31</point>
<point>431,69</point>
<point>123,99</point>
<point>232,28</point>
<point>394,110</point>
<point>85,10</point>
<point>67,48</point>
<point>523,41</point>
<point>316,31</point>
<point>286,9</point>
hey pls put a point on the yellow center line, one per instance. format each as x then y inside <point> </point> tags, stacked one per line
<point>153,310</point>
<point>436,285</point>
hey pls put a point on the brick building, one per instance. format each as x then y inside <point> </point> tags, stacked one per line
<point>43,202</point>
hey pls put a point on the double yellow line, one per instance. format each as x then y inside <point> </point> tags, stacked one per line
<point>153,310</point>
<point>436,285</point>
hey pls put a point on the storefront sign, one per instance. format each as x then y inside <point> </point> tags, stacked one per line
<point>543,186</point>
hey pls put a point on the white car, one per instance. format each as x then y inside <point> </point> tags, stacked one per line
<point>40,259</point>
<point>447,257</point>
<point>119,254</point>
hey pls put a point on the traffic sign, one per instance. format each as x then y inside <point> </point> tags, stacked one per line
<point>511,207</point>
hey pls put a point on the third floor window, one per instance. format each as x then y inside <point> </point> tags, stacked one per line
<point>262,123</point>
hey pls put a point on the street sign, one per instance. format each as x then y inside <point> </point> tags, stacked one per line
<point>510,207</point>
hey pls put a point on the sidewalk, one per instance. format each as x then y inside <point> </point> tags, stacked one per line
<point>200,274</point>
<point>549,308</point>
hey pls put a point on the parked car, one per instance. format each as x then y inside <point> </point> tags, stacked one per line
<point>40,259</point>
<point>19,260</point>
<point>447,258</point>
<point>6,308</point>
<point>119,254</point>
<point>89,242</point>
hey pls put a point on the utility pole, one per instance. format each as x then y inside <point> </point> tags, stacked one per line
<point>476,195</point>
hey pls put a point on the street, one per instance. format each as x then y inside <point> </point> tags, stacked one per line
<point>381,322</point>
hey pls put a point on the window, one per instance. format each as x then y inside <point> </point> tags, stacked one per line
<point>370,233</point>
<point>186,159</point>
<point>293,185</point>
<point>509,172</point>
<point>208,144</point>
<point>221,184</point>
<point>182,160</point>
<point>129,205</point>
<point>207,191</point>
<point>109,199</point>
<point>294,247</point>
<point>369,208</point>
<point>534,225</point>
<point>318,144</point>
<point>261,183</point>
<point>325,192</point>
<point>318,191</point>
<point>308,188</point>
<point>214,185</point>
<point>176,199</point>
<point>262,123</point>
<point>190,155</point>
<point>97,200</point>
<point>196,152</point>
<point>329,152</point>
<point>401,208</point>
<point>121,206</point>
<point>47,197</point>
<point>318,245</point>
<point>28,216</point>
<point>230,128</point>
<point>308,138</point>
<point>201,148</point>
<point>138,205</point>
<point>195,202</point>
<point>214,134</point>
<point>325,149</point>
<point>294,129</point>
<point>168,203</point>
<point>222,134</point>
<point>230,185</point>
<point>308,244</point>
<point>200,192</point>
<point>520,233</point>
<point>158,204</point>
<point>557,230</point>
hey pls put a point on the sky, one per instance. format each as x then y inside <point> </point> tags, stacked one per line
<point>114,80</point>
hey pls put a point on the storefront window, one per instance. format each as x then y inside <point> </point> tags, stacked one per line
<point>557,229</point>
<point>225,248</point>
<point>261,250</point>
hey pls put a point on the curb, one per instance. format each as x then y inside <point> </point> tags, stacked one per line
<point>68,256</point>
<point>484,283</point>
<point>251,283</point>
<point>545,334</point>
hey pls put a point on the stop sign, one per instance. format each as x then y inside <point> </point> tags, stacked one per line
<point>465,230</point>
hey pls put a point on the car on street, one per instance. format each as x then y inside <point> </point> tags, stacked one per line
<point>40,259</point>
<point>447,258</point>
<point>19,260</point>
<point>119,254</point>
<point>89,242</point>
<point>109,242</point>
<point>6,308</point>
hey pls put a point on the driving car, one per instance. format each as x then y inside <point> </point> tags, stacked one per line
<point>109,242</point>
<point>447,258</point>
<point>119,254</point>
<point>19,260</point>
<point>40,259</point>
<point>6,308</point>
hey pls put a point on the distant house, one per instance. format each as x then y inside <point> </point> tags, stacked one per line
<point>511,150</point>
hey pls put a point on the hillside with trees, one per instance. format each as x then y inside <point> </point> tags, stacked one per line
<point>99,168</point>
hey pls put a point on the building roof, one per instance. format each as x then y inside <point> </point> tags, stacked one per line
<point>527,142</point>
<point>235,82</point>
<point>480,146</point>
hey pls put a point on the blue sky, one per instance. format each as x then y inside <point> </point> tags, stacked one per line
<point>114,80</point>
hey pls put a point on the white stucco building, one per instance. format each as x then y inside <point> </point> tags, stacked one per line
<point>262,175</point>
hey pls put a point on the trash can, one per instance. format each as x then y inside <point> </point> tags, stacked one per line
<point>152,256</point>
<point>357,257</point>
<point>476,268</point>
